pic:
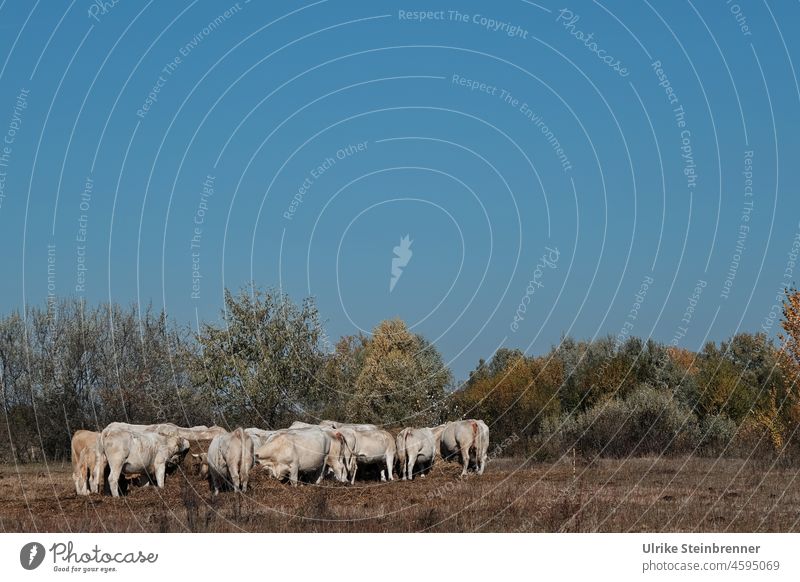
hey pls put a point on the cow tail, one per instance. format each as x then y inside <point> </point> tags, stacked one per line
<point>343,440</point>
<point>405,453</point>
<point>343,448</point>
<point>243,448</point>
<point>476,439</point>
<point>102,443</point>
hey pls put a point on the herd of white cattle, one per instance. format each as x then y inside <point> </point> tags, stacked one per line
<point>311,451</point>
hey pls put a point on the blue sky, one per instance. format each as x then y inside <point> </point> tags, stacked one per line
<point>325,132</point>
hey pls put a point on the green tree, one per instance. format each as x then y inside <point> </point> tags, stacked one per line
<point>262,366</point>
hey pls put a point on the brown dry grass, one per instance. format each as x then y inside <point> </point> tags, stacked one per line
<point>692,494</point>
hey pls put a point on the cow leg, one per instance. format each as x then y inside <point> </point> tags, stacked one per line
<point>113,480</point>
<point>86,477</point>
<point>318,480</point>
<point>79,476</point>
<point>383,471</point>
<point>410,469</point>
<point>353,475</point>
<point>94,478</point>
<point>85,474</point>
<point>464,461</point>
<point>98,479</point>
<point>390,466</point>
<point>99,468</point>
<point>97,472</point>
<point>161,471</point>
<point>294,474</point>
<point>234,473</point>
<point>76,478</point>
<point>243,477</point>
<point>212,480</point>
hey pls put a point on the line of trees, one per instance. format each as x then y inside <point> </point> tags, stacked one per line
<point>602,397</point>
<point>266,362</point>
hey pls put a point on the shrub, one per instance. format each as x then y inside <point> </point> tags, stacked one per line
<point>716,434</point>
<point>649,421</point>
<point>555,438</point>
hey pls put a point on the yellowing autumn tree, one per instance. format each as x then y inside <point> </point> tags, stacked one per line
<point>790,339</point>
<point>516,399</point>
<point>789,362</point>
<point>402,378</point>
<point>684,359</point>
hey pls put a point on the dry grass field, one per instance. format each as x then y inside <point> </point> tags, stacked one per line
<point>678,494</point>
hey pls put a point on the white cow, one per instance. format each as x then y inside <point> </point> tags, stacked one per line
<point>86,461</point>
<point>415,446</point>
<point>340,463</point>
<point>462,438</point>
<point>195,433</point>
<point>349,441</point>
<point>337,424</point>
<point>482,447</point>
<point>140,452</point>
<point>299,424</point>
<point>292,452</point>
<point>201,433</point>
<point>259,436</point>
<point>230,458</point>
<point>374,447</point>
<point>338,460</point>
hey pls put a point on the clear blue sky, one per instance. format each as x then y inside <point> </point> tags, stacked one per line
<point>489,132</point>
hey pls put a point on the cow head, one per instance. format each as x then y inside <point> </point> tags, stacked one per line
<point>266,465</point>
<point>269,468</point>
<point>200,464</point>
<point>177,448</point>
